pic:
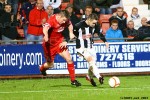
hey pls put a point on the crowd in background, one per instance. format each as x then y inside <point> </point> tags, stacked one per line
<point>30,15</point>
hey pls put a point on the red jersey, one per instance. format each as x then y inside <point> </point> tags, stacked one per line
<point>55,31</point>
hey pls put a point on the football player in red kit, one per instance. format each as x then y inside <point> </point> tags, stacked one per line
<point>54,43</point>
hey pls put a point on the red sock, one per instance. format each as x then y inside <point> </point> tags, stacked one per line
<point>71,70</point>
<point>42,68</point>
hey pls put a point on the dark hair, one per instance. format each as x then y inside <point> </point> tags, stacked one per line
<point>93,16</point>
<point>114,21</point>
<point>134,8</point>
<point>120,8</point>
<point>64,13</point>
<point>88,7</point>
<point>7,5</point>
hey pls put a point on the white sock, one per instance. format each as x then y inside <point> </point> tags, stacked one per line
<point>94,69</point>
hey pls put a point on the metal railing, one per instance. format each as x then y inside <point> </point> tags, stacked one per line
<point>73,40</point>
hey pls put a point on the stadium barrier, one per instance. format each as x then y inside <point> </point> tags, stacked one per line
<point>120,57</point>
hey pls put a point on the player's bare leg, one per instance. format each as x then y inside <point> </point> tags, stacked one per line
<point>66,55</point>
<point>46,66</point>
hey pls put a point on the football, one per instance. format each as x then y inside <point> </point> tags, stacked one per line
<point>114,82</point>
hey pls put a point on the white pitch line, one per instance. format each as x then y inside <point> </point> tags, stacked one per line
<point>99,89</point>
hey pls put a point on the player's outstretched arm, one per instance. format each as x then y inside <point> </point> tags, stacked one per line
<point>101,36</point>
<point>72,36</point>
<point>45,31</point>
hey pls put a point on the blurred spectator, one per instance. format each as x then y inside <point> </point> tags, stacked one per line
<point>114,32</point>
<point>73,18</point>
<point>79,5</point>
<point>130,31</point>
<point>54,3</point>
<point>122,21</point>
<point>37,18</point>
<point>88,11</point>
<point>2,4</point>
<point>24,12</point>
<point>14,4</point>
<point>9,22</point>
<point>49,10</point>
<point>134,14</point>
<point>135,17</point>
<point>102,7</point>
<point>144,30</point>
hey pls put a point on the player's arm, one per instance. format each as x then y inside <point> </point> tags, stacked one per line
<point>101,36</point>
<point>70,28</point>
<point>45,31</point>
<point>64,43</point>
<point>71,35</point>
<point>76,30</point>
<point>103,39</point>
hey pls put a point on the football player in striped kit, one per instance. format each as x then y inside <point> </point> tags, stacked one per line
<point>84,31</point>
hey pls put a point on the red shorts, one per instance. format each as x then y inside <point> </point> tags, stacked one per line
<point>51,51</point>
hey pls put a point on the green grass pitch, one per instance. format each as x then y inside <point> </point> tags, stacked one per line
<point>131,88</point>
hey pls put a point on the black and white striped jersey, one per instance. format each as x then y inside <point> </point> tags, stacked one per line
<point>84,34</point>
